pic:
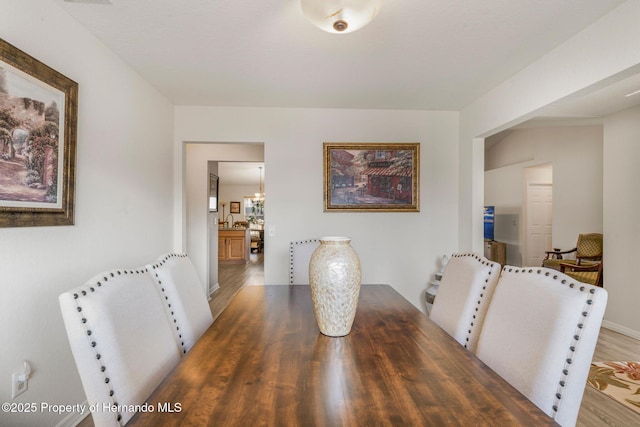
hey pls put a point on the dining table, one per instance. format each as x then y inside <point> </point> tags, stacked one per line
<point>264,362</point>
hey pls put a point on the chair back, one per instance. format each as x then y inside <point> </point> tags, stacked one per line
<point>589,247</point>
<point>463,296</point>
<point>121,340</point>
<point>299,256</point>
<point>184,297</point>
<point>540,333</point>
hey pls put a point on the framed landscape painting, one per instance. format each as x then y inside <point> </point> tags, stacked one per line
<point>38,121</point>
<point>371,177</point>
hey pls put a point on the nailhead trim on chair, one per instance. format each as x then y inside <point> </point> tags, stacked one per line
<point>576,337</point>
<point>85,323</point>
<point>291,245</point>
<point>483,261</point>
<point>166,298</point>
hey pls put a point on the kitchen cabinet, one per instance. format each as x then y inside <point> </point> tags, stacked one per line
<point>233,245</point>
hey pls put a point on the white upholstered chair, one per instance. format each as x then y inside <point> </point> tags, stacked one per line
<point>184,297</point>
<point>121,340</point>
<point>463,296</point>
<point>539,334</point>
<point>299,256</point>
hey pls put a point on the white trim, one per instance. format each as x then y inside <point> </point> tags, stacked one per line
<point>75,418</point>
<point>213,288</point>
<point>621,329</point>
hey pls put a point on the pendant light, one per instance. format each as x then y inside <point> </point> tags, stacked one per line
<point>340,16</point>
<point>259,197</point>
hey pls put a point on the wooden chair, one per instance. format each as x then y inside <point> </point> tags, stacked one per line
<point>540,333</point>
<point>590,274</point>
<point>184,297</point>
<point>464,293</point>
<point>587,251</point>
<point>257,241</point>
<point>299,256</point>
<point>121,340</point>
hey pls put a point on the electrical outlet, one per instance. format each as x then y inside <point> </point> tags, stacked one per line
<point>20,380</point>
<point>19,384</point>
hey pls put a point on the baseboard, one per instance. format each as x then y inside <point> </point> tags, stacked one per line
<point>621,329</point>
<point>213,288</point>
<point>74,418</point>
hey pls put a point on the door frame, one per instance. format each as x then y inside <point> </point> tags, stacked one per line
<point>525,237</point>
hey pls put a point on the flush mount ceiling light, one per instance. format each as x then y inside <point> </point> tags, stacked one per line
<point>340,16</point>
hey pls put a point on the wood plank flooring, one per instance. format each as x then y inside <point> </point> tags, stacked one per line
<point>597,410</point>
<point>232,277</point>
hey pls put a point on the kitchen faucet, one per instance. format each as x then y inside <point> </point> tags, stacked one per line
<point>227,221</point>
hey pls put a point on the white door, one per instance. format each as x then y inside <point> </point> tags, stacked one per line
<point>538,231</point>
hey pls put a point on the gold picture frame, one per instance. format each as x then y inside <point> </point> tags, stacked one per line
<point>38,127</point>
<point>234,207</point>
<point>371,177</point>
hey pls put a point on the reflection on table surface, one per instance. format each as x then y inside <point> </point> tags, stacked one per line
<point>264,361</point>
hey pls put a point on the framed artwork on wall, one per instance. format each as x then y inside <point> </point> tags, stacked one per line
<point>213,193</point>
<point>38,127</point>
<point>370,177</point>
<point>234,207</point>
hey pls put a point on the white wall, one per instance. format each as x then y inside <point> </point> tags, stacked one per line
<point>401,249</point>
<point>597,55</point>
<point>575,154</point>
<point>123,203</point>
<point>622,219</point>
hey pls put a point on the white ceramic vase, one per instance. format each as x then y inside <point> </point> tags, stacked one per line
<point>334,277</point>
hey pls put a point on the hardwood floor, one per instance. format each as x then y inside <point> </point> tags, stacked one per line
<point>597,409</point>
<point>232,277</point>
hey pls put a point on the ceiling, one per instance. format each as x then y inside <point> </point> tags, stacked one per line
<point>587,107</point>
<point>241,173</point>
<point>417,54</point>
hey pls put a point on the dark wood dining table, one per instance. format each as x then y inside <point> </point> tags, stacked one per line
<point>264,362</point>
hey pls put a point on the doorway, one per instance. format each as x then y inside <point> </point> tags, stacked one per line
<point>199,225</point>
<point>538,213</point>
<point>240,241</point>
